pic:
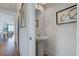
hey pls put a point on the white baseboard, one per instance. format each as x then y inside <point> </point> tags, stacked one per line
<point>49,53</point>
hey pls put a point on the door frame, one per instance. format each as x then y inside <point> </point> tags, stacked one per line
<point>31,28</point>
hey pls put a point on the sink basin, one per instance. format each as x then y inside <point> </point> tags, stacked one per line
<point>39,38</point>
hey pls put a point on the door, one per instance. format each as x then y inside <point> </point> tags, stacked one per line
<point>31,15</point>
<point>26,29</point>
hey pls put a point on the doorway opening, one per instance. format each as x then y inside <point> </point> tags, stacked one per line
<point>7,29</point>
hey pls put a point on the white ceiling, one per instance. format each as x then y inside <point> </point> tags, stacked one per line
<point>9,6</point>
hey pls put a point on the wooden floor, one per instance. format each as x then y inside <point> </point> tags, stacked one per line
<point>8,48</point>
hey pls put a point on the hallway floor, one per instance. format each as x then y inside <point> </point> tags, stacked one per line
<point>8,48</point>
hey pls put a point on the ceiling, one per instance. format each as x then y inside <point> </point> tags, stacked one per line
<point>9,6</point>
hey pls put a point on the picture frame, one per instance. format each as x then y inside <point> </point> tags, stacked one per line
<point>22,16</point>
<point>67,15</point>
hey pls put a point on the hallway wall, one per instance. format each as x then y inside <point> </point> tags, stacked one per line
<point>61,38</point>
<point>6,15</point>
<point>77,50</point>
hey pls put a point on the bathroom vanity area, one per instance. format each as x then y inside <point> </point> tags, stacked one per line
<point>40,30</point>
<point>40,43</point>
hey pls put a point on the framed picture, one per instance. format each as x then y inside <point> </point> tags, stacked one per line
<point>22,17</point>
<point>67,15</point>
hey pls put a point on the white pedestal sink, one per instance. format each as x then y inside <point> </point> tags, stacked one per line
<point>40,42</point>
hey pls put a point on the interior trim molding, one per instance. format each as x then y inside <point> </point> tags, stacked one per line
<point>49,53</point>
<point>17,49</point>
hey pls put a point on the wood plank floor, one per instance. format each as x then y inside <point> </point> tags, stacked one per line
<point>8,48</point>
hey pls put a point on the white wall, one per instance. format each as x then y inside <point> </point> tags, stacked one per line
<point>61,38</point>
<point>8,19</point>
<point>7,15</point>
<point>77,50</point>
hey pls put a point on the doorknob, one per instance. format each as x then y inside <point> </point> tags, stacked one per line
<point>30,38</point>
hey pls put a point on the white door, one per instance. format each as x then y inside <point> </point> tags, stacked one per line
<point>27,30</point>
<point>31,15</point>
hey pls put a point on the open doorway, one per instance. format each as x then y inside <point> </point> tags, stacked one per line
<point>7,29</point>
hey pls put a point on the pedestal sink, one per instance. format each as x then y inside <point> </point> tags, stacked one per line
<point>40,42</point>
